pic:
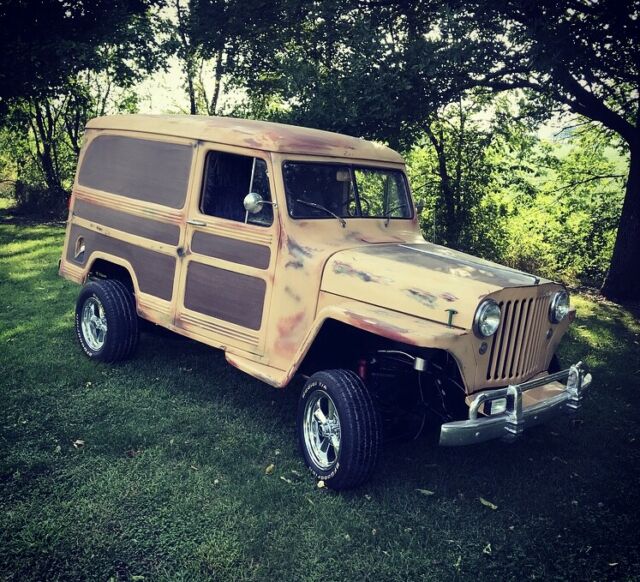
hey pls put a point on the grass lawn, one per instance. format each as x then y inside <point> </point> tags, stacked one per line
<point>155,469</point>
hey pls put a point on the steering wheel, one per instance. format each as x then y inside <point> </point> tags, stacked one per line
<point>396,207</point>
<point>365,205</point>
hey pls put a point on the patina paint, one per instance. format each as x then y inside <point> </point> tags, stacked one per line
<point>263,294</point>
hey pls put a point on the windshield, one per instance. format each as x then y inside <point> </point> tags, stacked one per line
<point>317,190</point>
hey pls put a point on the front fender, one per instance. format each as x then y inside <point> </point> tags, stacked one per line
<point>385,323</point>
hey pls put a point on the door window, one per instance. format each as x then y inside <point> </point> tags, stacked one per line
<point>228,179</point>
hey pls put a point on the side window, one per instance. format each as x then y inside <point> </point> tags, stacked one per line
<point>228,179</point>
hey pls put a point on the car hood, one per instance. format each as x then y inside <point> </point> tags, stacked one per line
<point>421,279</point>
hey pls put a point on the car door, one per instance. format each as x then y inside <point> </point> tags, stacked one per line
<point>228,257</point>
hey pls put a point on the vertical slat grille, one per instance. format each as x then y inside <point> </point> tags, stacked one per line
<point>517,347</point>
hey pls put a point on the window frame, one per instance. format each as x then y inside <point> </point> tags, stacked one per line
<point>207,151</point>
<point>351,167</point>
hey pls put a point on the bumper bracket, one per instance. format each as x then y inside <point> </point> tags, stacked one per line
<point>511,423</point>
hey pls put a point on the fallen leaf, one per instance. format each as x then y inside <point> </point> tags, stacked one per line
<point>613,563</point>
<point>488,503</point>
<point>321,484</point>
<point>78,443</point>
<point>296,473</point>
<point>216,481</point>
<point>458,563</point>
<point>270,469</point>
<point>286,480</point>
<point>137,578</point>
<point>374,532</point>
<point>367,497</point>
<point>193,467</point>
<point>426,492</point>
<point>487,550</point>
<point>57,449</point>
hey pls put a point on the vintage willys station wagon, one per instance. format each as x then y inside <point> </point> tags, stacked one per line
<point>298,252</point>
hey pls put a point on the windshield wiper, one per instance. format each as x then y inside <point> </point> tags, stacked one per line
<point>387,214</point>
<point>341,220</point>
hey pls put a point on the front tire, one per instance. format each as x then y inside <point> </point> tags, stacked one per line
<point>338,429</point>
<point>106,321</point>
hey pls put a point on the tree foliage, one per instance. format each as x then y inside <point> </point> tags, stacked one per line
<point>61,64</point>
<point>46,43</point>
<point>460,85</point>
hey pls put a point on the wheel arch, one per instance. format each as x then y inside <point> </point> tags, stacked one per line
<point>101,265</point>
<point>350,331</point>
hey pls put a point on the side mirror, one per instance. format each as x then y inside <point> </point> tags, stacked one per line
<point>253,203</point>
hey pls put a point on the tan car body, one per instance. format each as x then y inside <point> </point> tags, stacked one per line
<point>262,294</point>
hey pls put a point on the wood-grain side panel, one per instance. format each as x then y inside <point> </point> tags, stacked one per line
<point>154,271</point>
<point>147,170</point>
<point>232,250</point>
<point>225,295</point>
<point>144,227</point>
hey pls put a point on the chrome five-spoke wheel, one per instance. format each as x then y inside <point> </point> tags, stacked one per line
<point>321,427</point>
<point>106,320</point>
<point>94,323</point>
<point>338,428</point>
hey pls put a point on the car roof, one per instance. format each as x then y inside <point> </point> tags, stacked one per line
<point>261,135</point>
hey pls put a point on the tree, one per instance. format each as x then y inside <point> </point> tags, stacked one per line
<point>201,64</point>
<point>48,42</point>
<point>379,68</point>
<point>61,63</point>
<point>582,55</point>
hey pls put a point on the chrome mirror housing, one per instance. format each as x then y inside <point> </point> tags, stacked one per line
<point>253,203</point>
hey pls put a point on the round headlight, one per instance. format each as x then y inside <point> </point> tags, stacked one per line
<point>487,318</point>
<point>559,307</point>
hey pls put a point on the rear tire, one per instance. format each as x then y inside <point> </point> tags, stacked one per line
<point>106,321</point>
<point>338,429</point>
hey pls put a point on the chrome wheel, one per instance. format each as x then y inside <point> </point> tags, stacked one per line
<point>94,323</point>
<point>321,429</point>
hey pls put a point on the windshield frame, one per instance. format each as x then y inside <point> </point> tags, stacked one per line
<point>351,167</point>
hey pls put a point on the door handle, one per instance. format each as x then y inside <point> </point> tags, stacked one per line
<point>194,222</point>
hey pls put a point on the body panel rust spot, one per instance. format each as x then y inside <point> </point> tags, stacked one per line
<point>297,250</point>
<point>341,268</point>
<point>424,297</point>
<point>379,327</point>
<point>448,297</point>
<point>289,330</point>
<point>291,293</point>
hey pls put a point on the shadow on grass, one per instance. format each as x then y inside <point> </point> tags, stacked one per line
<point>156,466</point>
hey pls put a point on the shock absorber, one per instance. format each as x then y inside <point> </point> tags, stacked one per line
<point>362,369</point>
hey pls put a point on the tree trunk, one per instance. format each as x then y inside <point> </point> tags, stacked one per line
<point>623,280</point>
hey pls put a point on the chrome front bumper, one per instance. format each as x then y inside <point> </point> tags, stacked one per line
<point>511,423</point>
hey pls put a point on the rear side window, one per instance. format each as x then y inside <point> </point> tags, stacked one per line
<point>151,171</point>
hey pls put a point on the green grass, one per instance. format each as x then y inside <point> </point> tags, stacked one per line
<point>170,482</point>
